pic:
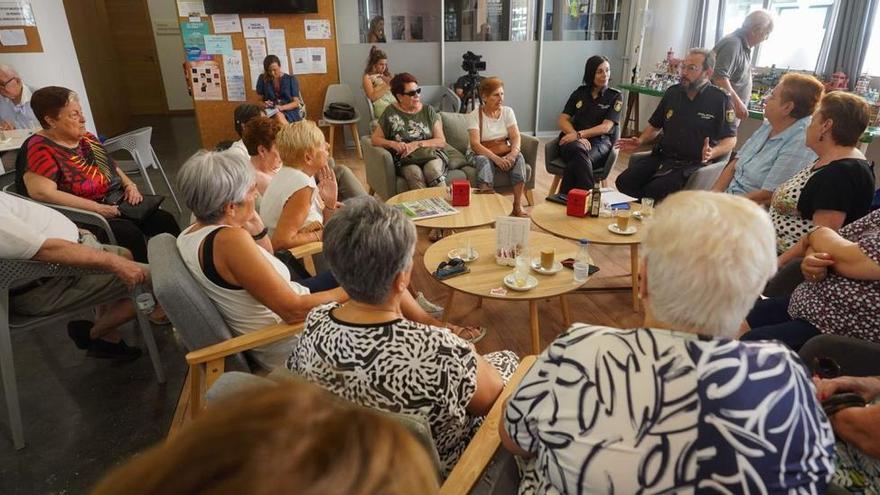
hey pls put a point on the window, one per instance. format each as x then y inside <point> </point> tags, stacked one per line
<point>872,57</point>
<point>411,20</point>
<point>793,20</point>
<point>490,20</point>
<point>566,20</point>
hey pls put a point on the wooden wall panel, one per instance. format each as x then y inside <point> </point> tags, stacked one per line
<point>214,118</point>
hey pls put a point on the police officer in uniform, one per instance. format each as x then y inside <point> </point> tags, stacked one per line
<point>697,120</point>
<point>587,123</point>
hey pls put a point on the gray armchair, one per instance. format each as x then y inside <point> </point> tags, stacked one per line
<point>556,165</point>
<point>384,181</point>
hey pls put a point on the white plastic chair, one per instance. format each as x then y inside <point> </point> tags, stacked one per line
<point>137,143</point>
<point>341,93</point>
<point>14,272</point>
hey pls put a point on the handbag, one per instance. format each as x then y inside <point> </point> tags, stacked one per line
<point>339,111</point>
<point>500,146</point>
<point>138,212</point>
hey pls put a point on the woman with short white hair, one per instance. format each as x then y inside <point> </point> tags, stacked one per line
<point>227,251</point>
<point>677,405</point>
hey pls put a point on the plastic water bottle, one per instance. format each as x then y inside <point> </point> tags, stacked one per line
<point>144,301</point>
<point>582,263</point>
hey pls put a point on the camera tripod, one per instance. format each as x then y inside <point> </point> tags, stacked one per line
<point>471,89</point>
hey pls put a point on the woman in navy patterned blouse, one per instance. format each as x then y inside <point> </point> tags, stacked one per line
<point>676,406</point>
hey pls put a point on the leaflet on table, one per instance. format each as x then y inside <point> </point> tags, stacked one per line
<point>421,209</point>
<point>511,238</point>
<point>611,197</point>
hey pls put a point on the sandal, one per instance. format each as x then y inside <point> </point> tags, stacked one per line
<point>472,334</point>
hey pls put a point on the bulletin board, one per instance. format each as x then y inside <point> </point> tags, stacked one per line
<point>215,117</point>
<point>17,21</point>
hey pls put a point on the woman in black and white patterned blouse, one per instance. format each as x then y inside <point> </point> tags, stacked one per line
<point>366,351</point>
<point>677,406</point>
<point>840,294</point>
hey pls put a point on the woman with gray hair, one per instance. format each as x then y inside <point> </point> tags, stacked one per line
<point>227,250</point>
<point>368,352</point>
<point>677,405</point>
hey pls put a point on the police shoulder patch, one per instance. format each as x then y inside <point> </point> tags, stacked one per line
<point>579,104</point>
<point>730,116</point>
<point>669,114</point>
<point>618,105</point>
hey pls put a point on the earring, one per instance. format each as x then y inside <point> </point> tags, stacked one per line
<point>821,137</point>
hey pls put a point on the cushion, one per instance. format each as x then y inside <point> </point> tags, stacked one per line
<point>457,159</point>
<point>455,130</point>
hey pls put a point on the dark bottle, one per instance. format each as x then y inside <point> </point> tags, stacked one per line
<point>595,201</point>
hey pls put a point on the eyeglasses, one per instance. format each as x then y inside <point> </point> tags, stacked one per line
<point>692,68</point>
<point>4,83</point>
<point>413,92</point>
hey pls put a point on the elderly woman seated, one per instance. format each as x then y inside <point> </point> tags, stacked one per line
<point>367,351</point>
<point>66,165</point>
<point>258,136</point>
<point>676,406</point>
<point>228,252</point>
<point>776,151</point>
<point>841,290</point>
<point>836,189</point>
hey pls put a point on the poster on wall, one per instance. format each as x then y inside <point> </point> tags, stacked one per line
<point>16,14</point>
<point>398,27</point>
<point>205,77</point>
<point>311,60</point>
<point>317,29</point>
<point>218,44</point>
<point>226,23</point>
<point>193,34</point>
<point>233,70</point>
<point>13,37</point>
<point>187,9</point>
<point>256,52</point>
<point>278,47</point>
<point>255,27</point>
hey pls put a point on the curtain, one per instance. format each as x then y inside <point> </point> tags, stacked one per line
<point>698,34</point>
<point>846,40</point>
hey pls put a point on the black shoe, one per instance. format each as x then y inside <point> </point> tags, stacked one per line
<point>119,351</point>
<point>78,330</point>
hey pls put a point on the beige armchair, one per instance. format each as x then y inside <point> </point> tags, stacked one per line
<point>384,181</point>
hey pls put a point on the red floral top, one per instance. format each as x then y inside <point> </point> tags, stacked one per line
<point>85,171</point>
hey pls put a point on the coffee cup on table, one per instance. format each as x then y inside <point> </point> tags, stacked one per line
<point>623,220</point>
<point>548,256</point>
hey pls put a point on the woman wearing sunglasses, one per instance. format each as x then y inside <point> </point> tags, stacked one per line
<point>413,133</point>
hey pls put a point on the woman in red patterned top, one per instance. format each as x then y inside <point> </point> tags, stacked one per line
<point>68,166</point>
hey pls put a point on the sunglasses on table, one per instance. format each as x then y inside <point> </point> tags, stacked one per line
<point>413,92</point>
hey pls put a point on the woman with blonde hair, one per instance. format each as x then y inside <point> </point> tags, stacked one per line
<point>377,30</point>
<point>495,141</point>
<point>377,81</point>
<point>287,438</point>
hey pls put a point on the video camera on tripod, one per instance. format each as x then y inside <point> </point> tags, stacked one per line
<point>468,86</point>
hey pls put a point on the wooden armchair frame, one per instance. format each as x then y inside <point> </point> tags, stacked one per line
<point>207,364</point>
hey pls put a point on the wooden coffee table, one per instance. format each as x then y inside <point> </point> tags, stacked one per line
<point>486,274</point>
<point>552,218</point>
<point>483,210</point>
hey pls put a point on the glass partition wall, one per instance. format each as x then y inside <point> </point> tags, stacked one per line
<point>538,47</point>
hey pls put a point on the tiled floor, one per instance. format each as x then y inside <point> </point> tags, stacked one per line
<point>84,416</point>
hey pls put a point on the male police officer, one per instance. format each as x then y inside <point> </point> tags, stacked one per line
<point>697,120</point>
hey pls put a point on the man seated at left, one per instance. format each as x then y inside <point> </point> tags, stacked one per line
<point>31,231</point>
<point>697,122</point>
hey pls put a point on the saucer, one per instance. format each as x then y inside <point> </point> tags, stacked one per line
<point>510,282</point>
<point>457,253</point>
<point>629,230</point>
<point>536,265</point>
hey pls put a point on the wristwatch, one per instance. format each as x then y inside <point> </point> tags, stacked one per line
<point>263,233</point>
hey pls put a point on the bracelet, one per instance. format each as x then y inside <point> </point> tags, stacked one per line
<point>263,233</point>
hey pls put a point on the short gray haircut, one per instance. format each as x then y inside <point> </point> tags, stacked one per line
<point>366,245</point>
<point>708,57</point>
<point>210,180</point>
<point>708,256</point>
<point>758,20</point>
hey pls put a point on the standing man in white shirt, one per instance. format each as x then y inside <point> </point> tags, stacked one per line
<point>31,231</point>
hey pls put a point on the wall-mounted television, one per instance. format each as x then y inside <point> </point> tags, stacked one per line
<point>261,6</point>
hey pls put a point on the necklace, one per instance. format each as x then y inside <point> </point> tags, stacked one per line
<point>364,308</point>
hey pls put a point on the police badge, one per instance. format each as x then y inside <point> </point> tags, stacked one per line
<point>669,114</point>
<point>579,104</point>
<point>618,105</point>
<point>730,115</point>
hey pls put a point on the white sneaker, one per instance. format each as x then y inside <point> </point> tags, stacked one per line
<point>429,307</point>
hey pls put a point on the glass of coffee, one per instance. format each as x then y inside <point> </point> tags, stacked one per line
<point>623,220</point>
<point>548,256</point>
